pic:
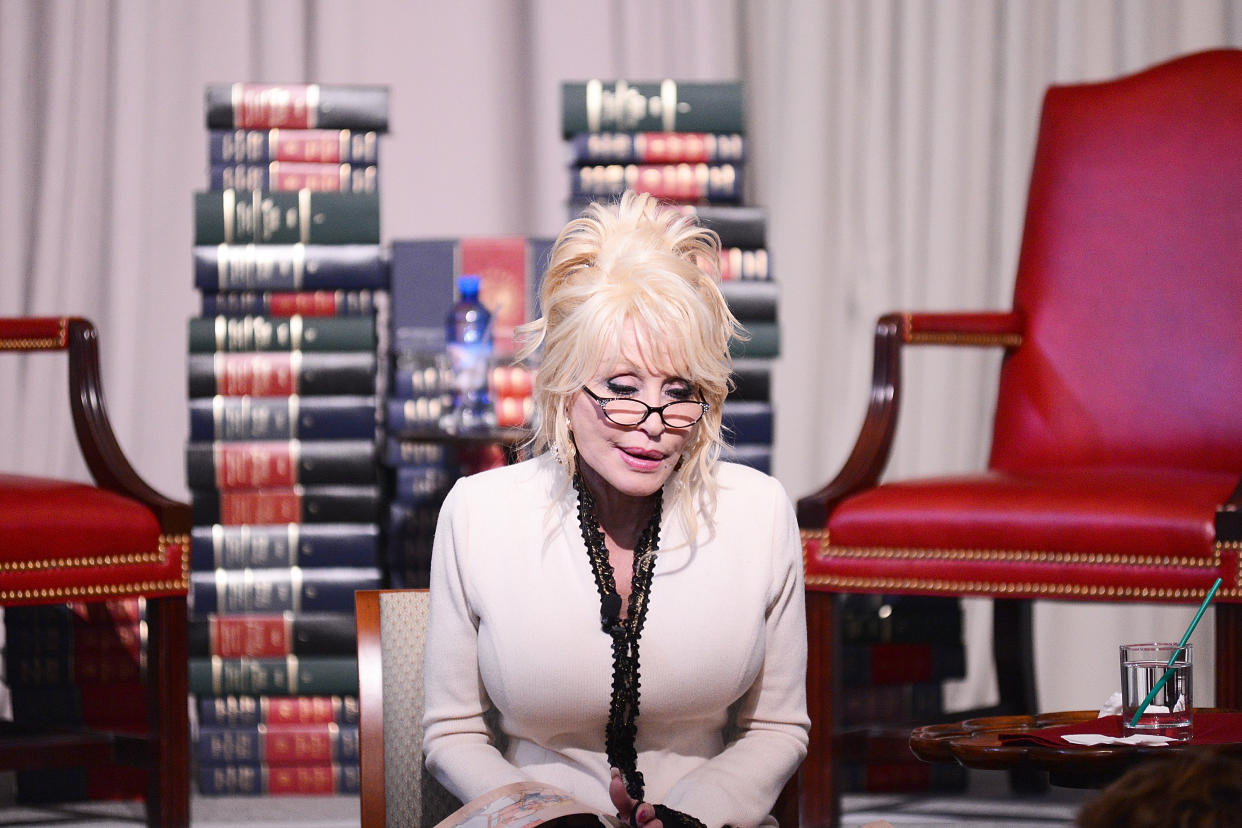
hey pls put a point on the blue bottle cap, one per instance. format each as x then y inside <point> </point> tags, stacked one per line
<point>468,284</point>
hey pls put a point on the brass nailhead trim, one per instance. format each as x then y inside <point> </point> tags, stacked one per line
<point>844,583</point>
<point>30,343</point>
<point>1044,590</point>
<point>69,593</point>
<point>959,338</point>
<point>1017,555</point>
<point>165,541</point>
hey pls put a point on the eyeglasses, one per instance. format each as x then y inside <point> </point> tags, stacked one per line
<point>627,411</point>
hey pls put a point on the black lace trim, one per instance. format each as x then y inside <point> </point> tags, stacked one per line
<point>621,730</point>
<point>676,819</point>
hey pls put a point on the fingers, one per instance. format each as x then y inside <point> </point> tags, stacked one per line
<point>620,797</point>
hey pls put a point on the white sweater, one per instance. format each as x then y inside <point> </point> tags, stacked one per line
<point>515,623</point>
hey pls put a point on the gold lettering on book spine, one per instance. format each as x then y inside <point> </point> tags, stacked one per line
<point>312,106</point>
<point>668,105</point>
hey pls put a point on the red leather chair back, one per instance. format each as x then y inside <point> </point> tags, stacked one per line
<point>1130,277</point>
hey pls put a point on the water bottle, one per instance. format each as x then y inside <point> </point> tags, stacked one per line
<point>468,332</point>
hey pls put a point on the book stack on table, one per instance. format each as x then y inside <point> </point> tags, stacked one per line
<point>56,658</point>
<point>897,651</point>
<point>423,456</point>
<point>685,143</point>
<point>282,456</point>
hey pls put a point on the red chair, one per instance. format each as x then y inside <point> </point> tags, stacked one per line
<point>63,541</point>
<point>1117,442</point>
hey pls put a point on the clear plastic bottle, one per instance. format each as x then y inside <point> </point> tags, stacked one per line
<point>468,338</point>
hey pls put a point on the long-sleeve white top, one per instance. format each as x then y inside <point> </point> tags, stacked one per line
<point>515,624</point>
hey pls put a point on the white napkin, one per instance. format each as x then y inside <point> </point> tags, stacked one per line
<point>1095,739</point>
<point>1112,707</point>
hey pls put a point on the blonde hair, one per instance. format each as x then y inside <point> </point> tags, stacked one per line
<point>643,264</point>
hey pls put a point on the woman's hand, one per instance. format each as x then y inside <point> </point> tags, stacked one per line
<point>639,814</point>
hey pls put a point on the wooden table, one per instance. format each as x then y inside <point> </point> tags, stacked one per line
<point>976,743</point>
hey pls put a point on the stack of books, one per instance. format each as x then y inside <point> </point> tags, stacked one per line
<point>423,456</point>
<point>897,652</point>
<point>685,143</point>
<point>284,382</point>
<point>56,658</point>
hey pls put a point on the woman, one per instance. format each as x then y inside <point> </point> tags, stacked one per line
<point>630,606</point>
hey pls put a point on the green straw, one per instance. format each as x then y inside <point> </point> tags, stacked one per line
<point>1181,645</point>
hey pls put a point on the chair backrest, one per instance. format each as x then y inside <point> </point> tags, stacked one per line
<point>397,790</point>
<point>1130,276</point>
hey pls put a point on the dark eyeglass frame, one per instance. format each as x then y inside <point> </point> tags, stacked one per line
<point>656,409</point>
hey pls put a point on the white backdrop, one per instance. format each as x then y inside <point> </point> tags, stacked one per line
<point>891,143</point>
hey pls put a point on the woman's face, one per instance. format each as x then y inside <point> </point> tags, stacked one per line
<point>634,461</point>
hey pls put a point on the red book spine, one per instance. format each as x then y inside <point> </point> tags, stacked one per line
<point>674,147</point>
<point>256,374</point>
<point>295,175</point>
<point>736,263</point>
<point>255,464</point>
<point>234,636</point>
<point>237,508</point>
<point>284,106</point>
<point>501,264</point>
<point>306,744</point>
<point>303,303</point>
<point>297,710</point>
<point>304,779</point>
<point>311,145</point>
<point>510,387</point>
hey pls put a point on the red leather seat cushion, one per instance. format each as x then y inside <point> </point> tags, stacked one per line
<point>65,539</point>
<point>1074,533</point>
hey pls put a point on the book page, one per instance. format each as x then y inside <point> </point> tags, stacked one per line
<point>526,804</point>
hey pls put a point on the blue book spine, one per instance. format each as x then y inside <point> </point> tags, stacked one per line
<point>223,267</point>
<point>248,711</point>
<point>223,591</point>
<point>293,417</point>
<point>424,483</point>
<point>657,148</point>
<point>277,744</point>
<point>289,303</point>
<point>312,545</point>
<point>262,779</point>
<point>747,421</point>
<point>258,146</point>
<point>284,176</point>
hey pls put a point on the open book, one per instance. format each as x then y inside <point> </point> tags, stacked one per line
<point>527,804</point>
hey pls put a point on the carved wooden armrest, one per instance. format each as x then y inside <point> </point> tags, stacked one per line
<point>108,465</point>
<point>874,444</point>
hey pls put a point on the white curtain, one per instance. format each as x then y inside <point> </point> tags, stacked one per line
<point>891,143</point>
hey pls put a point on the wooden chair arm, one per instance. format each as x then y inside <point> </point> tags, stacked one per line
<point>108,464</point>
<point>872,448</point>
<point>1229,517</point>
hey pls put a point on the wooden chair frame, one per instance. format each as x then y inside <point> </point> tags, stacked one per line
<point>165,750</point>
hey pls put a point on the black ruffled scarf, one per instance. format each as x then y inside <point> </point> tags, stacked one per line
<point>621,729</point>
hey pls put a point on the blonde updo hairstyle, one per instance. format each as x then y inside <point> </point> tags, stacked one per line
<point>636,263</point>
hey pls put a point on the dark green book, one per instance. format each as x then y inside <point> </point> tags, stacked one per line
<point>752,300</point>
<point>299,216</point>
<point>287,676</point>
<point>209,334</point>
<point>654,106</point>
<point>765,341</point>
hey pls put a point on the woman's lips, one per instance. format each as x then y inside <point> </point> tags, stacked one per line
<point>640,459</point>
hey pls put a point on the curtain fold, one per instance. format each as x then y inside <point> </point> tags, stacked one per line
<point>891,144</point>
